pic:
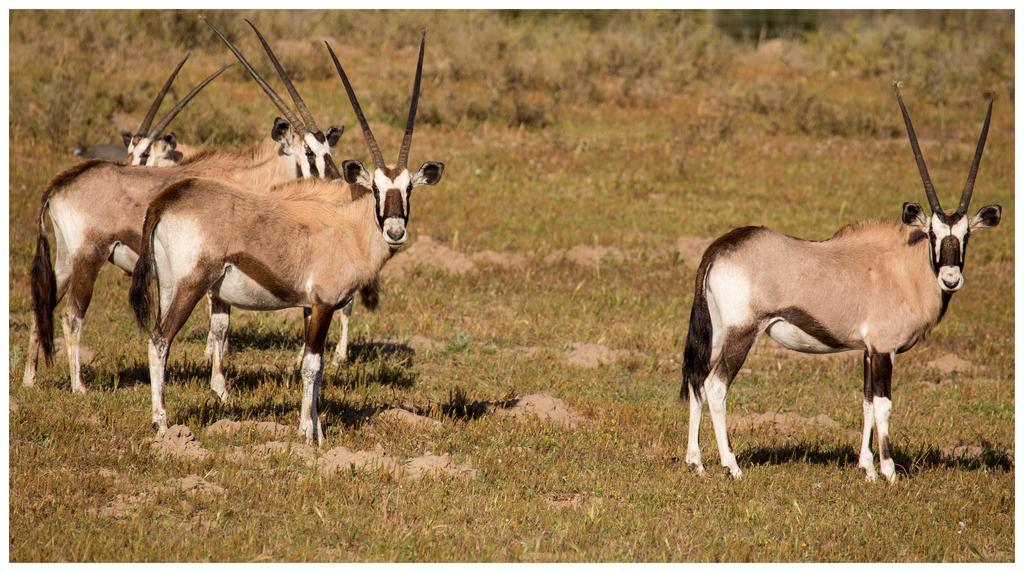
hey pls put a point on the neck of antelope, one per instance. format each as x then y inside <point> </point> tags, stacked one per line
<point>927,300</point>
<point>267,168</point>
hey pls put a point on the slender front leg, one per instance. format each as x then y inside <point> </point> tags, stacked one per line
<point>210,340</point>
<point>305,326</point>
<point>867,458</point>
<point>312,372</point>
<point>28,379</point>
<point>341,352</point>
<point>220,321</point>
<point>881,382</point>
<point>692,443</point>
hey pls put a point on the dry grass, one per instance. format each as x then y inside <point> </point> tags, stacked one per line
<point>625,130</point>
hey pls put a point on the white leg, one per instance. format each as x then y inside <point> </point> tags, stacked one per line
<point>883,408</point>
<point>211,340</point>
<point>220,320</point>
<point>158,349</point>
<point>716,391</point>
<point>72,336</point>
<point>867,458</point>
<point>309,422</point>
<point>692,444</point>
<point>341,352</point>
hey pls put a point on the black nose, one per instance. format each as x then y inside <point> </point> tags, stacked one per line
<point>950,284</point>
<point>396,233</point>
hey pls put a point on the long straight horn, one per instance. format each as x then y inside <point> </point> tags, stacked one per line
<point>148,120</point>
<point>929,189</point>
<point>965,197</point>
<point>403,154</point>
<point>371,142</point>
<point>281,105</point>
<point>184,101</point>
<point>307,117</point>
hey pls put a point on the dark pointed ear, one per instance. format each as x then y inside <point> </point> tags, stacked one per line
<point>333,135</point>
<point>280,130</point>
<point>126,138</point>
<point>913,215</point>
<point>428,174</point>
<point>988,217</point>
<point>171,140</point>
<point>356,174</point>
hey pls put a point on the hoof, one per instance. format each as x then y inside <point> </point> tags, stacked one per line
<point>870,477</point>
<point>79,389</point>
<point>219,387</point>
<point>735,473</point>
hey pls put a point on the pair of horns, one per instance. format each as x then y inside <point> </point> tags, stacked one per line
<point>371,141</point>
<point>307,124</point>
<point>144,127</point>
<point>929,189</point>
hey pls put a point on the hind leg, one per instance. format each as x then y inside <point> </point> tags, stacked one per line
<point>176,304</point>
<point>62,273</point>
<point>692,443</point>
<point>306,312</point>
<point>735,346</point>
<point>84,272</point>
<point>341,352</point>
<point>220,321</point>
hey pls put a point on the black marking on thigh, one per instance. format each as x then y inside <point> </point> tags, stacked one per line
<point>734,351</point>
<point>881,375</point>
<point>811,326</point>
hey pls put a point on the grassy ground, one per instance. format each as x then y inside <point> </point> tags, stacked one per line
<point>560,130</point>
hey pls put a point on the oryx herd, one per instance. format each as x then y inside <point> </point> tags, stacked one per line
<point>188,225</point>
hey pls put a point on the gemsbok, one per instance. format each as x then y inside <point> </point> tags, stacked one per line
<point>369,294</point>
<point>875,286</point>
<point>149,145</point>
<point>305,245</point>
<point>97,208</point>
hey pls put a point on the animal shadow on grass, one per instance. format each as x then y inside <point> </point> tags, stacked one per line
<point>910,461</point>
<point>459,407</point>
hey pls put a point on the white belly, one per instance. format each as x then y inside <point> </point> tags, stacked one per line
<point>241,291</point>
<point>792,337</point>
<point>123,257</point>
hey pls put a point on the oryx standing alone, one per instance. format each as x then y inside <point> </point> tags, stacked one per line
<point>305,245</point>
<point>97,208</point>
<point>875,286</point>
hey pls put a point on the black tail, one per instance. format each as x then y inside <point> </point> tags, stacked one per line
<point>370,295</point>
<point>44,287</point>
<point>138,294</point>
<point>697,355</point>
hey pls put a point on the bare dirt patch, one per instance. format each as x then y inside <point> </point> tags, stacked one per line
<point>786,424</point>
<point>194,484</point>
<point>690,249</point>
<point>503,260</point>
<point>572,500</point>
<point>544,407</point>
<point>267,429</point>
<point>585,256</point>
<point>180,444</point>
<point>589,355</point>
<point>404,417</point>
<point>428,254</point>
<point>342,459</point>
<point>950,363</point>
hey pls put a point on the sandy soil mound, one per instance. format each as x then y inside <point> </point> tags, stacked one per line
<point>782,423</point>
<point>194,484</point>
<point>341,459</point>
<point>503,260</point>
<point>690,249</point>
<point>401,416</point>
<point>951,363</point>
<point>424,344</point>
<point>593,355</point>
<point>967,453</point>
<point>572,500</point>
<point>585,256</point>
<point>428,254</point>
<point>267,429</point>
<point>179,443</point>
<point>544,407</point>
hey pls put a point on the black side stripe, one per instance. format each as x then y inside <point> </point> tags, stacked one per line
<point>806,322</point>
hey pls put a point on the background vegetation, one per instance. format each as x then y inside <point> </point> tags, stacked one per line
<point>559,129</point>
